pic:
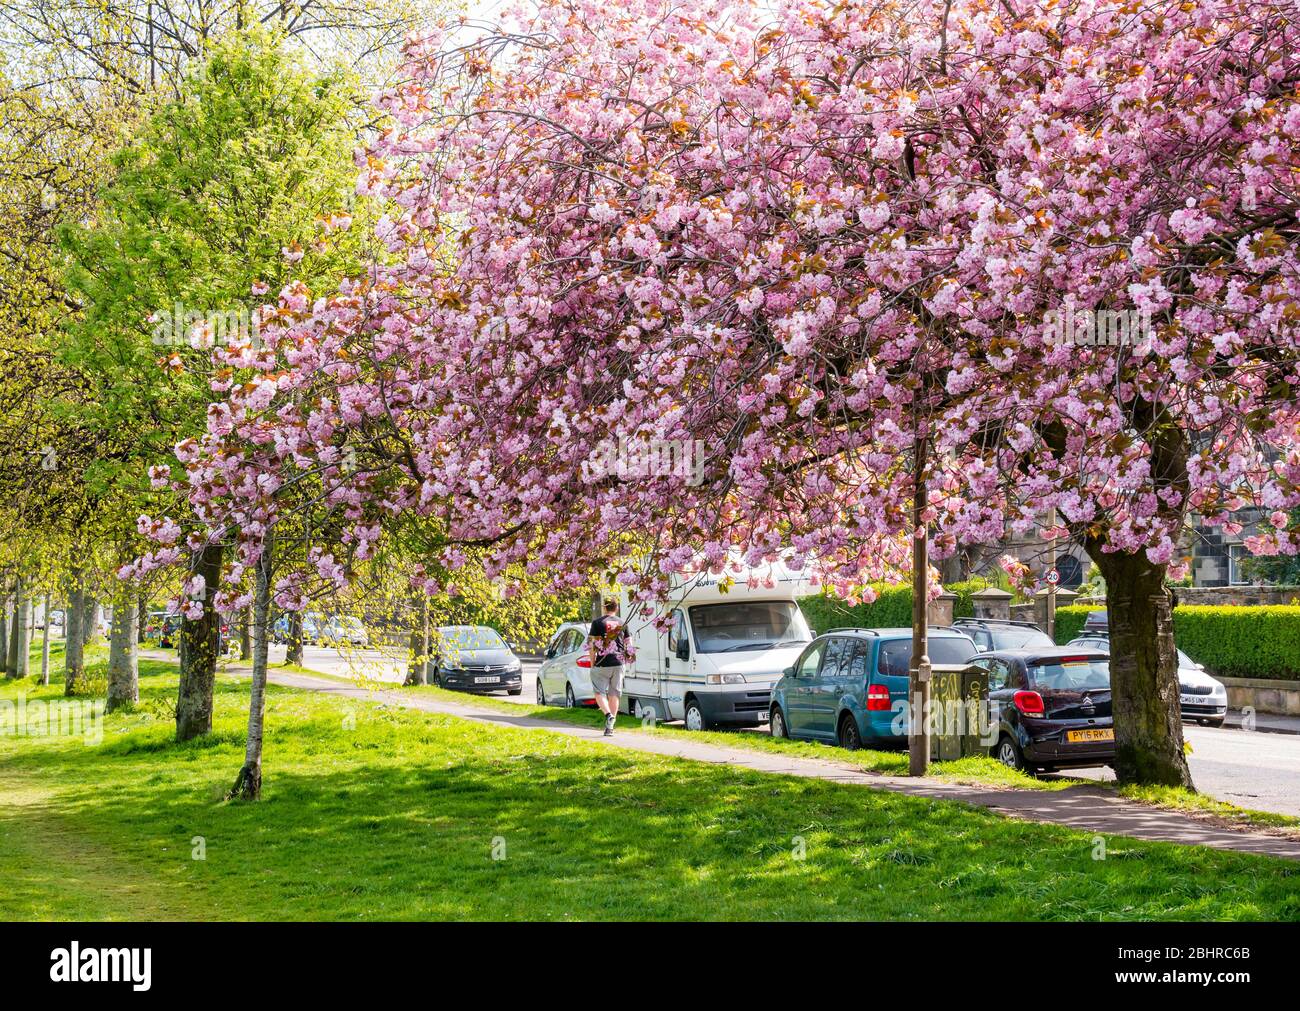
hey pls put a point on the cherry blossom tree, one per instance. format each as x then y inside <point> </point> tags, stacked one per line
<point>836,248</point>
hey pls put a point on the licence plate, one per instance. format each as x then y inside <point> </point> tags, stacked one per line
<point>1078,736</point>
<point>1193,700</point>
<point>486,681</point>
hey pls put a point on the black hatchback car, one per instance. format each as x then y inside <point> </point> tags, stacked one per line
<point>1052,707</point>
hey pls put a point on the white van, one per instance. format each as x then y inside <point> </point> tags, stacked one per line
<point>724,649</point>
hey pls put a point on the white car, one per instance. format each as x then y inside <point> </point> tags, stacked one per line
<point>564,677</point>
<point>1200,697</point>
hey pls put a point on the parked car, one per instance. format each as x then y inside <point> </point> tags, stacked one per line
<point>1200,697</point>
<point>998,633</point>
<point>169,631</point>
<point>347,629</point>
<point>474,658</point>
<point>316,629</point>
<point>565,674</point>
<point>849,686</point>
<point>1052,707</point>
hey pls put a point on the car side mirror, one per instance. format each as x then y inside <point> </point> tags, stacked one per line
<point>788,672</point>
<point>683,650</point>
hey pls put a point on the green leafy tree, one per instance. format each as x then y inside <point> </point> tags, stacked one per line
<point>220,200</point>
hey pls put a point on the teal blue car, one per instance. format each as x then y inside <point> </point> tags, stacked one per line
<point>849,686</point>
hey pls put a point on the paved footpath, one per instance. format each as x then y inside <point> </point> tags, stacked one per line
<point>1088,809</point>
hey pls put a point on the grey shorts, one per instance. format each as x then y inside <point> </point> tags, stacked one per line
<point>607,680</point>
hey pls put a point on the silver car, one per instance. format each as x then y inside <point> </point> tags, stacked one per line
<point>1200,697</point>
<point>564,677</point>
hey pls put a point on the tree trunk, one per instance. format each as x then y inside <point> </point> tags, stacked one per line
<point>74,668</point>
<point>417,671</point>
<point>293,651</point>
<point>89,621</point>
<point>1143,671</point>
<point>12,665</point>
<point>245,636</point>
<point>248,784</point>
<point>4,636</point>
<point>124,652</point>
<point>24,634</point>
<point>200,649</point>
<point>45,645</point>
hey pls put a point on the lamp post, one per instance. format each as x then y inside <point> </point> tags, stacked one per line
<point>918,724</point>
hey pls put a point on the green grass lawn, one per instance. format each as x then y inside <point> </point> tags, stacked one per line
<point>375,812</point>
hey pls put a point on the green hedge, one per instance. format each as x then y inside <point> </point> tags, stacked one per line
<point>891,609</point>
<point>1231,641</point>
<point>1070,619</point>
<point>1241,642</point>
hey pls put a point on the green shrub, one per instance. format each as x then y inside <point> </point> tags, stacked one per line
<point>1231,641</point>
<point>891,609</point>
<point>1246,642</point>
<point>1070,619</point>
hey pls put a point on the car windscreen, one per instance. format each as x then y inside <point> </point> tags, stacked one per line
<point>1020,638</point>
<point>748,625</point>
<point>472,638</point>
<point>896,655</point>
<point>1075,674</point>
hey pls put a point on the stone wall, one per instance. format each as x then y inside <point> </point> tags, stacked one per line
<point>1240,596</point>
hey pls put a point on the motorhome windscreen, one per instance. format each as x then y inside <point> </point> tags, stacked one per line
<point>728,628</point>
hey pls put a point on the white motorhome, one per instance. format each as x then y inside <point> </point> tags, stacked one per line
<point>729,639</point>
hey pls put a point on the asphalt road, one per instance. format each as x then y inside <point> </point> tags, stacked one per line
<point>1247,768</point>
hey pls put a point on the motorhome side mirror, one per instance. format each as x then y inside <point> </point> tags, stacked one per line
<point>683,650</point>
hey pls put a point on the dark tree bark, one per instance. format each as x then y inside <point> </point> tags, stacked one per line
<point>200,647</point>
<point>123,652</point>
<point>417,671</point>
<point>89,626</point>
<point>293,652</point>
<point>13,661</point>
<point>1143,670</point>
<point>245,636</point>
<point>74,667</point>
<point>4,635</point>
<point>248,784</point>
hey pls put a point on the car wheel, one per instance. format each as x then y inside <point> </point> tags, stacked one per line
<point>437,677</point>
<point>850,738</point>
<point>1214,723</point>
<point>695,717</point>
<point>541,693</point>
<point>570,700</point>
<point>514,691</point>
<point>1009,754</point>
<point>776,723</point>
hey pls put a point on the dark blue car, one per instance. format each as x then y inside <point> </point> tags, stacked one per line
<point>850,685</point>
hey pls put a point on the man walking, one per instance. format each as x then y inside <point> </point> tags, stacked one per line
<point>607,646</point>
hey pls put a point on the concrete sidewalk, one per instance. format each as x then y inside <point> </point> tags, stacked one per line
<point>1264,723</point>
<point>1088,809</point>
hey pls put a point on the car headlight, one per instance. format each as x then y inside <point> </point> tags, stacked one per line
<point>516,666</point>
<point>725,679</point>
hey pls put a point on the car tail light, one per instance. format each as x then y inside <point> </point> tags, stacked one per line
<point>584,661</point>
<point>877,698</point>
<point>1029,703</point>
